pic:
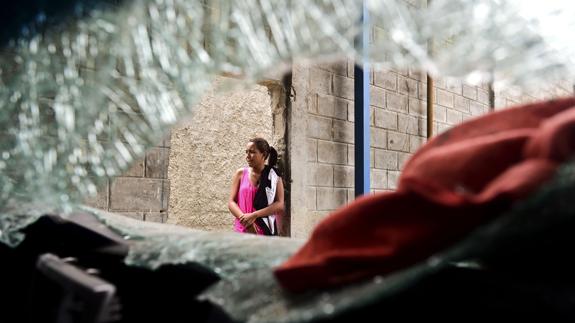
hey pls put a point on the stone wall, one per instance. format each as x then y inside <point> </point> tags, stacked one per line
<point>510,96</point>
<point>143,191</point>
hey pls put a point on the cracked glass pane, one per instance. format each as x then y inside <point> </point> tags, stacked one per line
<point>226,253</point>
<point>86,88</point>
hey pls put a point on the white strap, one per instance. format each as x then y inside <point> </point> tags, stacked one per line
<point>271,195</point>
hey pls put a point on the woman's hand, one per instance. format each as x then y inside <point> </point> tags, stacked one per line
<point>248,219</point>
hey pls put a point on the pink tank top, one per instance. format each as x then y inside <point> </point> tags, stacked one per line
<point>245,200</point>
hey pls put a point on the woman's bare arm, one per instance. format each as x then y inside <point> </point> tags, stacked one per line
<point>232,204</point>
<point>276,207</point>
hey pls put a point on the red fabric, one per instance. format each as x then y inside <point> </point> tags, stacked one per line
<point>459,180</point>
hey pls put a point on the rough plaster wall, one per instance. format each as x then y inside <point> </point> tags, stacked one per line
<point>206,151</point>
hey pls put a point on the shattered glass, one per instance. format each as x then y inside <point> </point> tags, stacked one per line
<point>85,91</point>
<point>226,253</point>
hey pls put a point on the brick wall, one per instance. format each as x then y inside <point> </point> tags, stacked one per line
<point>510,96</point>
<point>143,191</point>
<point>206,150</point>
<point>398,128</point>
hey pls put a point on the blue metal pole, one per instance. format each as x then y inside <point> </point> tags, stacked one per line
<point>361,110</point>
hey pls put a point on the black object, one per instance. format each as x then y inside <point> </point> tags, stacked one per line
<point>261,200</point>
<point>141,295</point>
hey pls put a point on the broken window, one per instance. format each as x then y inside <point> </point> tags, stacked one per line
<point>85,88</point>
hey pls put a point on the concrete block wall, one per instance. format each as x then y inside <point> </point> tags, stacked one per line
<point>142,192</point>
<point>511,96</point>
<point>398,127</point>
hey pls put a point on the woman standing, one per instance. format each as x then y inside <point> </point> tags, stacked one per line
<point>257,192</point>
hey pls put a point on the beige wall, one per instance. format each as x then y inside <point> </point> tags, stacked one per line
<point>208,148</point>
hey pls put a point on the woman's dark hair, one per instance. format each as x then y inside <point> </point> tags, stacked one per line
<point>269,152</point>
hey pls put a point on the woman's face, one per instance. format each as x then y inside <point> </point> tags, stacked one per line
<point>254,157</point>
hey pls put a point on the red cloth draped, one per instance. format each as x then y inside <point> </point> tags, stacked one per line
<point>459,180</point>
